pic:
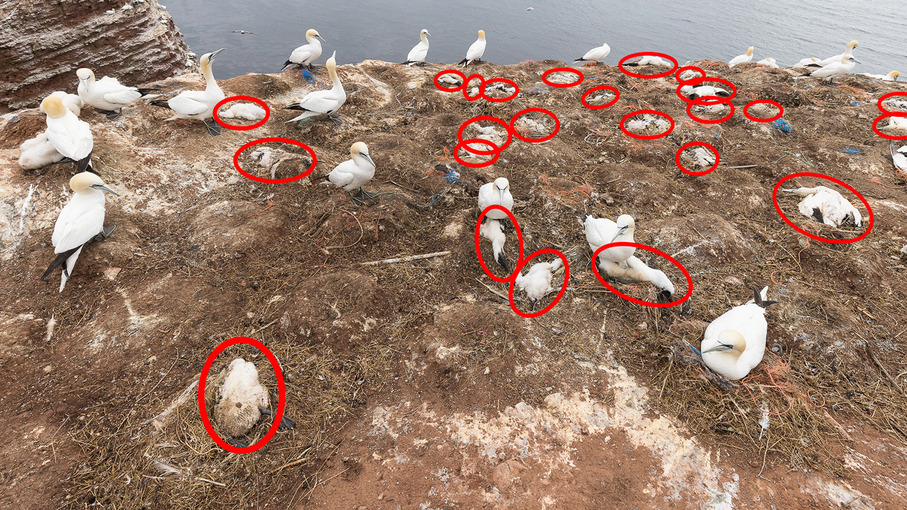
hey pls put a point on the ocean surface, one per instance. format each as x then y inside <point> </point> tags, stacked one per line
<point>787,30</point>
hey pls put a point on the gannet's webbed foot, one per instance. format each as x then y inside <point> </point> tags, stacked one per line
<point>502,260</point>
<point>368,196</point>
<point>286,423</point>
<point>214,129</point>
<point>113,115</point>
<point>335,118</point>
<point>105,233</point>
<point>238,442</point>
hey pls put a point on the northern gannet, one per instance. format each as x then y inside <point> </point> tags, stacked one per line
<point>741,59</point>
<point>898,157</point>
<point>595,54</point>
<point>636,270</point>
<point>848,53</point>
<point>38,152</point>
<point>827,206</point>
<point>892,76</point>
<point>768,62</point>
<point>840,68</point>
<point>419,51</point>
<point>806,62</point>
<point>79,222</point>
<point>242,401</point>
<point>537,281</point>
<point>494,232</point>
<point>602,231</point>
<point>322,102</point>
<point>245,111</point>
<point>106,94</point>
<point>70,136</point>
<point>354,173</point>
<point>496,193</point>
<point>703,91</point>
<point>649,60</point>
<point>72,102</point>
<point>198,104</point>
<point>734,343</point>
<point>475,51</point>
<point>306,54</point>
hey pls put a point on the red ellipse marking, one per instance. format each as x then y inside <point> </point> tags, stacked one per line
<point>275,140</point>
<point>827,178</point>
<point>516,90</point>
<point>691,144</point>
<point>557,125</point>
<point>702,100</point>
<point>480,118</point>
<point>281,394</point>
<point>646,137</point>
<point>563,70</point>
<point>450,71</point>
<point>708,121</point>
<point>886,96</point>
<point>598,107</point>
<point>241,98</point>
<point>633,299</point>
<point>776,104</point>
<point>620,65</point>
<point>464,145</point>
<point>481,87</point>
<point>875,125</point>
<point>683,69</point>
<point>519,234</point>
<point>560,293</point>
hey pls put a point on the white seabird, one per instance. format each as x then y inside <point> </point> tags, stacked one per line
<point>595,54</point>
<point>703,91</point>
<point>892,76</point>
<point>602,231</point>
<point>649,60</point>
<point>198,104</point>
<point>734,343</point>
<point>496,193</point>
<point>245,111</point>
<point>70,136</point>
<point>322,102</point>
<point>475,51</point>
<point>419,51</point>
<point>72,102</point>
<point>897,124</point>
<point>306,54</point>
<point>354,173</point>
<point>848,53</point>
<point>537,281</point>
<point>742,59</point>
<point>106,94</point>
<point>805,62</point>
<point>38,152</point>
<point>827,206</point>
<point>840,68</point>
<point>243,399</point>
<point>899,158</point>
<point>637,271</point>
<point>768,62</point>
<point>494,232</point>
<point>79,222</point>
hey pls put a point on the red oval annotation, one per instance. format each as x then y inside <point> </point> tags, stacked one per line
<point>814,236</point>
<point>693,144</point>
<point>519,234</point>
<point>600,106</point>
<point>753,118</point>
<point>632,299</point>
<point>274,140</point>
<point>560,294</point>
<point>577,72</point>
<point>241,98</point>
<point>646,137</point>
<point>513,130</point>
<point>620,65</point>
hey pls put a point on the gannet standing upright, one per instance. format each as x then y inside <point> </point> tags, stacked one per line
<point>354,173</point>
<point>106,94</point>
<point>198,104</point>
<point>595,55</point>
<point>306,54</point>
<point>602,231</point>
<point>419,51</point>
<point>322,102</point>
<point>848,52</point>
<point>70,136</point>
<point>475,51</point>
<point>79,222</point>
<point>741,59</point>
<point>840,68</point>
<point>496,193</point>
<point>734,343</point>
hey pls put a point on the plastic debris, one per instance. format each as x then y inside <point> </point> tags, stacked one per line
<point>851,150</point>
<point>783,125</point>
<point>307,75</point>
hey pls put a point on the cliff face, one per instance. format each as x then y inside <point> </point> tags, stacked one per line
<point>44,42</point>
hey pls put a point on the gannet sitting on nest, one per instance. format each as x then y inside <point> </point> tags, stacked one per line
<point>806,62</point>
<point>602,231</point>
<point>636,270</point>
<point>494,232</point>
<point>496,193</point>
<point>742,59</point>
<point>354,173</point>
<point>892,76</point>
<point>734,343</point>
<point>198,104</point>
<point>648,60</point>
<point>703,91</point>
<point>475,51</point>
<point>899,158</point>
<point>595,55</point>
<point>827,206</point>
<point>106,94</point>
<point>848,53</point>
<point>38,152</point>
<point>306,54</point>
<point>80,221</point>
<point>537,281</point>
<point>70,136</point>
<point>419,51</point>
<point>322,102</point>
<point>72,102</point>
<point>768,62</point>
<point>243,399</point>
<point>840,68</point>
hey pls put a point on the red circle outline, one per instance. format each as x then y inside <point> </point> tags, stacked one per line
<point>814,236</point>
<point>497,150</point>
<point>464,145</point>
<point>655,251</point>
<point>886,96</point>
<point>875,125</point>
<point>708,121</point>
<point>450,71</point>
<point>519,234</point>
<point>715,99</point>
<point>681,70</point>
<point>599,107</point>
<point>481,87</point>
<point>281,394</point>
<point>766,101</point>
<point>516,91</point>
<point>646,137</point>
<point>620,65</point>
<point>241,98</point>
<point>276,140</point>
<point>557,125</point>
<point>563,70</point>
<point>560,294</point>
<point>702,144</point>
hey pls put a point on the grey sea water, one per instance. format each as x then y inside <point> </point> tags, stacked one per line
<point>787,30</point>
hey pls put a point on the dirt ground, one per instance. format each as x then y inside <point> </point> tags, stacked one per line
<point>413,383</point>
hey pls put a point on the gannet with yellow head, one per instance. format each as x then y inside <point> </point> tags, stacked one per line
<point>848,52</point>
<point>79,222</point>
<point>354,173</point>
<point>70,136</point>
<point>892,76</point>
<point>496,193</point>
<point>475,51</point>
<point>843,66</point>
<point>198,104</point>
<point>419,51</point>
<point>322,102</point>
<point>741,59</point>
<point>306,54</point>
<point>734,343</point>
<point>106,94</point>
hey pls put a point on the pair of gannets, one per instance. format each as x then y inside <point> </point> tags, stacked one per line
<point>742,59</point>
<point>79,222</point>
<point>242,401</point>
<point>68,135</point>
<point>475,51</point>
<point>322,102</point>
<point>602,231</point>
<point>106,94</point>
<point>848,53</point>
<point>198,104</point>
<point>830,71</point>
<point>734,343</point>
<point>354,173</point>
<point>827,206</point>
<point>307,54</point>
<point>419,51</point>
<point>595,55</point>
<point>496,193</point>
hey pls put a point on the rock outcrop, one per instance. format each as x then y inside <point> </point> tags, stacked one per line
<point>45,42</point>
